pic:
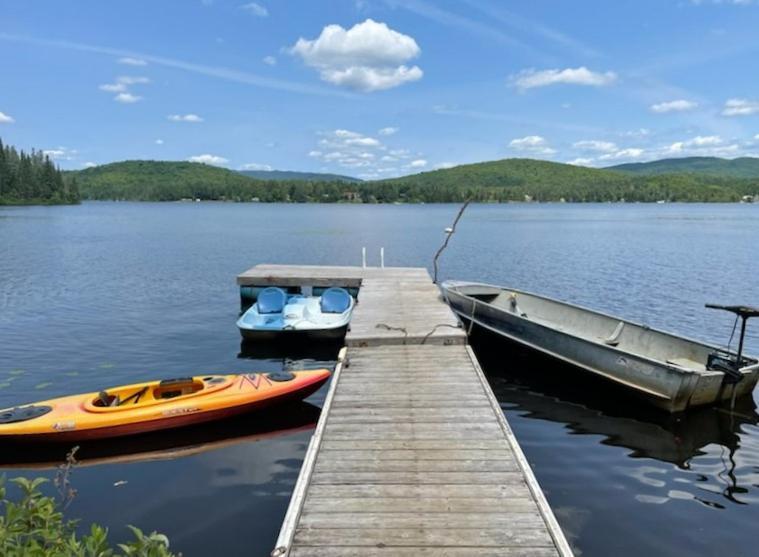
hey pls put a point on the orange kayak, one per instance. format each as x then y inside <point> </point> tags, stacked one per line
<point>155,405</point>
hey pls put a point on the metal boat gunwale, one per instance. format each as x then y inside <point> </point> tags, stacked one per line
<point>648,359</point>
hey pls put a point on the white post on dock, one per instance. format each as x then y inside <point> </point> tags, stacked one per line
<point>363,257</point>
<point>382,257</point>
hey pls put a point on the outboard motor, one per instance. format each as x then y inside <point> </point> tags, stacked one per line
<point>725,361</point>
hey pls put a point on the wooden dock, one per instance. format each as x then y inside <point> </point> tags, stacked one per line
<point>412,453</point>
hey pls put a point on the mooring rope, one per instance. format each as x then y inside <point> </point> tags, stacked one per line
<point>449,232</point>
<point>389,328</point>
<point>435,328</point>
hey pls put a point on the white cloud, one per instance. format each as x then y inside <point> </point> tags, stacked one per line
<point>221,72</point>
<point>445,164</point>
<point>132,79</point>
<point>112,87</point>
<point>61,153</point>
<point>529,79</point>
<point>708,140</point>
<point>89,164</point>
<point>580,161</point>
<point>256,9</point>
<point>129,61</point>
<point>740,107</point>
<point>708,145</point>
<point>127,98</point>
<point>270,60</point>
<point>630,153</point>
<point>5,119</point>
<point>256,166</point>
<point>193,118</point>
<point>679,105</point>
<point>594,145</point>
<point>641,132</point>
<point>120,86</point>
<point>388,131</point>
<point>367,57</point>
<point>533,144</point>
<point>756,137</point>
<point>209,159</point>
<point>159,141</point>
<point>358,152</point>
<point>363,141</point>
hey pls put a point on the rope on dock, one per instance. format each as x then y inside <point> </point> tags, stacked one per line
<point>435,328</point>
<point>389,328</point>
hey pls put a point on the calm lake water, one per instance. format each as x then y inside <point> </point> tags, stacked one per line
<point>108,293</point>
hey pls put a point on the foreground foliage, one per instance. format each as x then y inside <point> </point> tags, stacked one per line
<point>497,181</point>
<point>32,178</point>
<point>35,526</point>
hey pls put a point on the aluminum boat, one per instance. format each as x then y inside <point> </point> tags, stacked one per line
<point>670,371</point>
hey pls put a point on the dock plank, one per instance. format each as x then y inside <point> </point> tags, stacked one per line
<point>412,453</point>
<point>481,536</point>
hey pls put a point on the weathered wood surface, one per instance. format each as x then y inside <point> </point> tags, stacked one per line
<point>412,454</point>
<point>412,457</point>
<point>325,275</point>
<point>396,305</point>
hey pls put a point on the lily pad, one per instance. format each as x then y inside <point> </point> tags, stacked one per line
<point>43,385</point>
<point>16,372</point>
<point>105,366</point>
<point>71,373</point>
<point>4,384</point>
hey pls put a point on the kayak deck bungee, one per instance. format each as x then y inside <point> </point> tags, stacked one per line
<point>151,406</point>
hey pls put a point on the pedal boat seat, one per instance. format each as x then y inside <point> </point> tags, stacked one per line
<point>335,300</point>
<point>271,300</point>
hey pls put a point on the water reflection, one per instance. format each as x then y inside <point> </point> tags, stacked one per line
<point>168,445</point>
<point>308,354</point>
<point>707,442</point>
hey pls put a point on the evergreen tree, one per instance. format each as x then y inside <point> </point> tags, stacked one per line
<point>32,179</point>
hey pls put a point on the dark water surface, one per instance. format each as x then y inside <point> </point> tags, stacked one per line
<point>108,293</point>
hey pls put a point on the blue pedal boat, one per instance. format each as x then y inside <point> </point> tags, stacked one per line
<point>277,314</point>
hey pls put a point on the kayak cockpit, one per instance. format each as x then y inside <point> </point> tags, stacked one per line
<point>156,392</point>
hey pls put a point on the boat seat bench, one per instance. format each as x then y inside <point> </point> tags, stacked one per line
<point>687,364</point>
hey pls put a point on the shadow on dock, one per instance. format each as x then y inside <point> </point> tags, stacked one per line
<point>167,445</point>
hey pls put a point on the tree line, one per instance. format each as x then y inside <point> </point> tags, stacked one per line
<point>494,182</point>
<point>32,178</point>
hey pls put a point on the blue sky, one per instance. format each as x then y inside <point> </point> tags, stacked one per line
<point>379,88</point>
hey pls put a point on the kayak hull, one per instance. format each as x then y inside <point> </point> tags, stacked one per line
<point>178,413</point>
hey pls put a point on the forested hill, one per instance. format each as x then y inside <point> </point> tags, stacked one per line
<point>497,181</point>
<point>745,167</point>
<point>528,179</point>
<point>294,175</point>
<point>174,181</point>
<point>32,179</point>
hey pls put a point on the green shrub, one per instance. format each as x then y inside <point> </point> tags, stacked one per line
<point>34,526</point>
